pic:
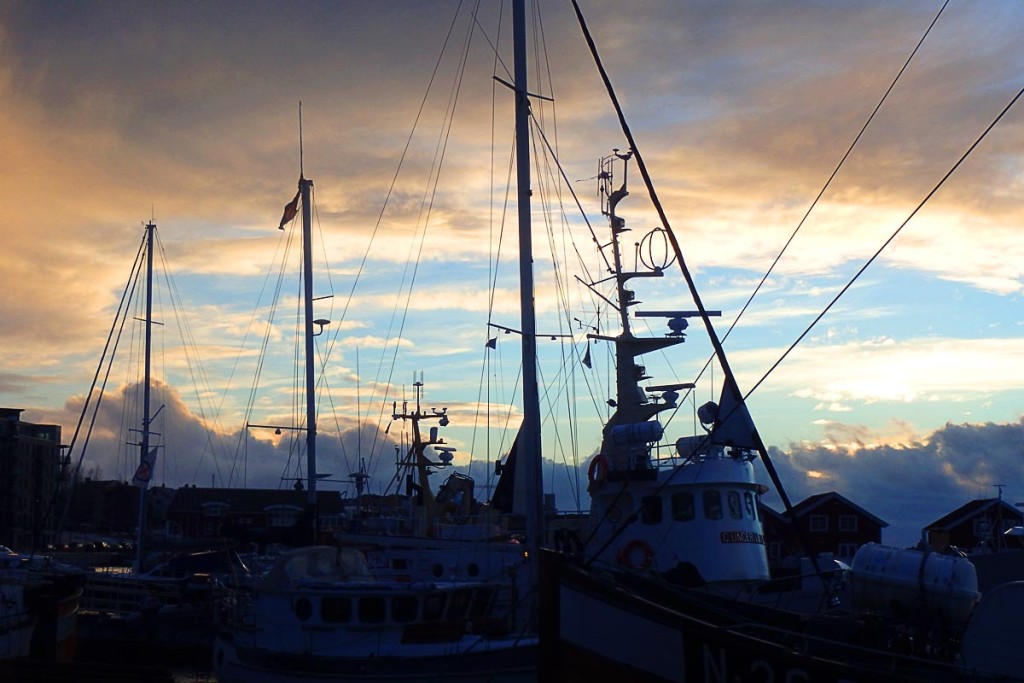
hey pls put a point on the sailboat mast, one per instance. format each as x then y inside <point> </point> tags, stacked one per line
<point>144,445</point>
<point>305,187</point>
<point>530,441</point>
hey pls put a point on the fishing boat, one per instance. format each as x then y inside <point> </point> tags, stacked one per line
<point>669,581</point>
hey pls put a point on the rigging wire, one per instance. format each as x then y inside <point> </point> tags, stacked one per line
<point>835,172</point>
<point>114,334</point>
<point>820,194</point>
<point>423,102</point>
<point>193,361</point>
<point>888,241</point>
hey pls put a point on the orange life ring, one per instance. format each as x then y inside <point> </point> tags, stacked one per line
<point>625,556</point>
<point>598,470</point>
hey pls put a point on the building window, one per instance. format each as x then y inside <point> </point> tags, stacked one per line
<point>650,510</point>
<point>982,527</point>
<point>282,515</point>
<point>847,522</point>
<point>713,504</point>
<point>848,550</point>
<point>819,523</point>
<point>215,509</point>
<point>682,506</point>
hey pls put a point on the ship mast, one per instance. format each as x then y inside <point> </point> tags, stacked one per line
<point>530,441</point>
<point>145,460</point>
<point>305,188</point>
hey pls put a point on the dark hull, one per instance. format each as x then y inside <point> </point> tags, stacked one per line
<point>597,629</point>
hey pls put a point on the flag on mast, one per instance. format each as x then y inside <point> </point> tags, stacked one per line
<point>145,471</point>
<point>290,210</point>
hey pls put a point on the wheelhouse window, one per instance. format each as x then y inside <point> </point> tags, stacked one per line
<point>819,523</point>
<point>650,510</point>
<point>682,506</point>
<point>713,504</point>
<point>735,507</point>
<point>748,499</point>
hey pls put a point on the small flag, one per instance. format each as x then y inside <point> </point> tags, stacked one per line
<point>492,343</point>
<point>290,209</point>
<point>145,471</point>
<point>586,358</point>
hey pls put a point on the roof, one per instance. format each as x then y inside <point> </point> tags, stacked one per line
<point>772,513</point>
<point>973,509</point>
<point>811,503</point>
<point>193,498</point>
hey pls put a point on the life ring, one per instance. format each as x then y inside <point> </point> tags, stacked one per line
<point>627,551</point>
<point>598,470</point>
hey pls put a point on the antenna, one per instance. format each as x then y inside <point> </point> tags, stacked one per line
<point>301,173</point>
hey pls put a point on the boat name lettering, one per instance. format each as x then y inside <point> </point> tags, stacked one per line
<point>742,537</point>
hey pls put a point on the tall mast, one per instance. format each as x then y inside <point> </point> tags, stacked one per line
<point>144,445</point>
<point>305,187</point>
<point>529,458</point>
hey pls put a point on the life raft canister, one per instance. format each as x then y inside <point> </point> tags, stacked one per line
<point>628,551</point>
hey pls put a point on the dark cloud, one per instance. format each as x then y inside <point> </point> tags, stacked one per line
<point>912,485</point>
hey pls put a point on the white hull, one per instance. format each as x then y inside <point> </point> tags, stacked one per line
<point>505,661</point>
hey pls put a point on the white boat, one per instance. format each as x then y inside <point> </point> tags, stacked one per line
<point>320,616</point>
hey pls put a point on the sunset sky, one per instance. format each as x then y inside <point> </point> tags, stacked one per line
<point>906,397</point>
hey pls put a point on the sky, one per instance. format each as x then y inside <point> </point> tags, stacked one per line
<point>905,397</point>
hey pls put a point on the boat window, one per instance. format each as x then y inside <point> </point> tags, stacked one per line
<point>303,609</point>
<point>682,506</point>
<point>433,606</point>
<point>748,497</point>
<point>650,510</point>
<point>481,602</point>
<point>713,504</point>
<point>459,604</point>
<point>404,609</point>
<point>372,610</point>
<point>336,610</point>
<point>735,508</point>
